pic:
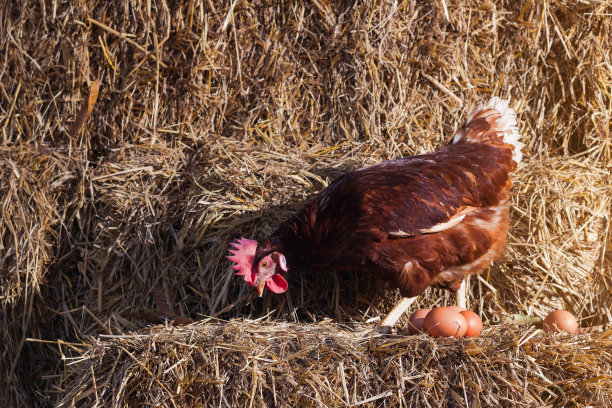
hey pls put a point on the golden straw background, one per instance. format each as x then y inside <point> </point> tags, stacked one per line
<point>217,119</point>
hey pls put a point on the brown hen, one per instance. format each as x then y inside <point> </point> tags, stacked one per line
<point>414,222</point>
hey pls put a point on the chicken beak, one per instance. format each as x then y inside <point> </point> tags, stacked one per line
<point>260,288</point>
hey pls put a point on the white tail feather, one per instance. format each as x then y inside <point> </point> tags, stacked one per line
<point>507,124</point>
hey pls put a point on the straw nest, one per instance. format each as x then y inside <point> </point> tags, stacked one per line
<point>213,120</point>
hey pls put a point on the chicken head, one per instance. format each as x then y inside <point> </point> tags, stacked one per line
<point>264,272</point>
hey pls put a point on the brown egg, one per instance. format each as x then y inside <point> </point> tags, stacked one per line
<point>474,324</point>
<point>560,320</point>
<point>415,323</point>
<point>445,322</point>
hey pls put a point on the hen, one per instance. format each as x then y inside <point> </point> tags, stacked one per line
<point>414,222</point>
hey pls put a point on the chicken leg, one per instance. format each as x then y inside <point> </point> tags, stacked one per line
<point>462,293</point>
<point>394,315</point>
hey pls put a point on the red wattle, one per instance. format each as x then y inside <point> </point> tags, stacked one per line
<point>277,284</point>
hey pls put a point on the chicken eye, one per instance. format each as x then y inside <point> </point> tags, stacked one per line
<point>264,264</point>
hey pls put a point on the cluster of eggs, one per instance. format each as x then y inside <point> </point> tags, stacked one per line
<point>451,321</point>
<point>455,321</point>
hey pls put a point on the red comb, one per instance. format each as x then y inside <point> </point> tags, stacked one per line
<point>243,256</point>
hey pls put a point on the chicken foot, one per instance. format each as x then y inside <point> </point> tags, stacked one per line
<point>394,315</point>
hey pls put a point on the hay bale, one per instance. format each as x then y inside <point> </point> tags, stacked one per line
<point>33,185</point>
<point>280,364</point>
<point>558,242</point>
<point>216,120</point>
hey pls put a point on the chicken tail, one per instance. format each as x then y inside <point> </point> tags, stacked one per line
<point>493,122</point>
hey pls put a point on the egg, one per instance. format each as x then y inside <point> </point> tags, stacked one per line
<point>560,320</point>
<point>415,323</point>
<point>474,324</point>
<point>445,322</point>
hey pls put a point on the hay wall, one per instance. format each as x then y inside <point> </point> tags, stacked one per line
<point>217,119</point>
